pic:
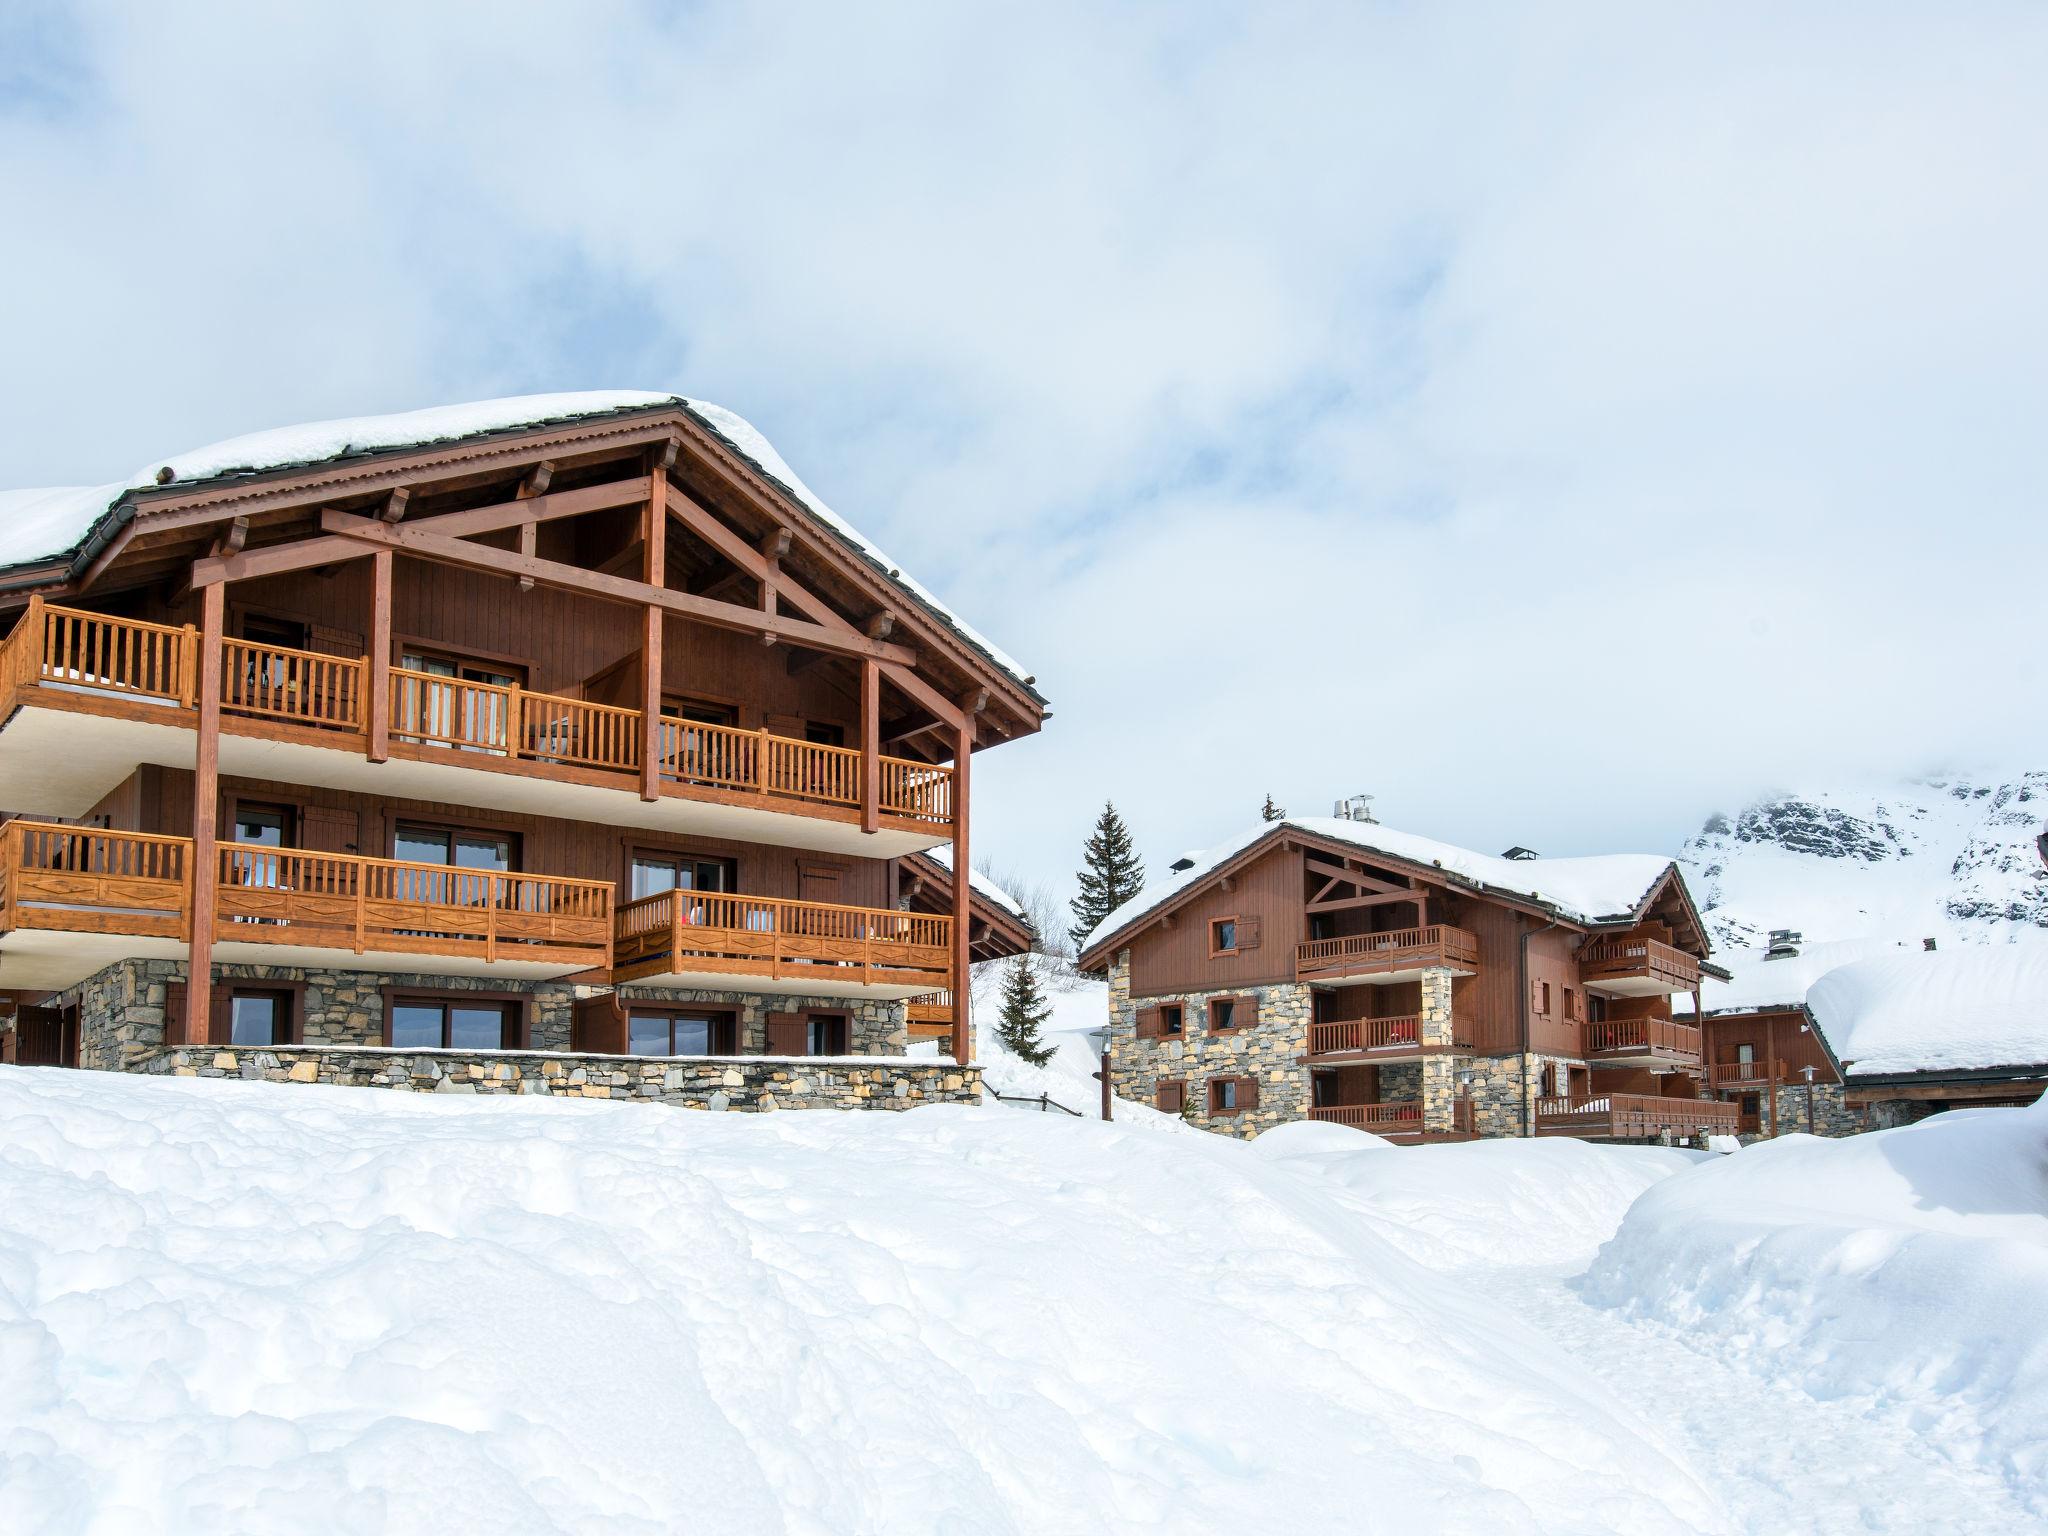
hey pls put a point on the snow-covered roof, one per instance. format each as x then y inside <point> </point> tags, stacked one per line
<point>51,522</point>
<point>1604,888</point>
<point>1756,983</point>
<point>979,883</point>
<point>1967,1008</point>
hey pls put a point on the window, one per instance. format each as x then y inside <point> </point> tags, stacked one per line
<point>679,1032</point>
<point>438,708</point>
<point>1543,998</point>
<point>826,1034</point>
<point>1222,1014</point>
<point>1170,1018</point>
<point>1171,1097</point>
<point>1596,1008</point>
<point>1223,936</point>
<point>824,734</point>
<point>430,1023</point>
<point>1746,1054</point>
<point>1233,1095</point>
<point>1547,1083</point>
<point>1571,1003</point>
<point>260,1018</point>
<point>655,872</point>
<point>262,629</point>
<point>259,826</point>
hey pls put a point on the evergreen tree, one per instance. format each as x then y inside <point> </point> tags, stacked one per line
<point>1111,876</point>
<point>1024,1013</point>
<point>1271,812</point>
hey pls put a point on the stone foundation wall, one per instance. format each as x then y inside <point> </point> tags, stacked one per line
<point>121,1009</point>
<point>1832,1115</point>
<point>1266,1051</point>
<point>751,1084</point>
<point>1884,1114</point>
<point>1504,1086</point>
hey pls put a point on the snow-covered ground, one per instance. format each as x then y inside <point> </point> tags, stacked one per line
<point>236,1307</point>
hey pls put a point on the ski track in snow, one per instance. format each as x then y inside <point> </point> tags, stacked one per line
<point>1781,1462</point>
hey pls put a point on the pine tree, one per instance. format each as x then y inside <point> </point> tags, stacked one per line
<point>1024,1013</point>
<point>1271,812</point>
<point>1111,877</point>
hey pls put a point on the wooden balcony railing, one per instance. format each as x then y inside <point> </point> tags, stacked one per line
<point>86,880</point>
<point>931,1018</point>
<point>336,901</point>
<point>1395,949</point>
<point>1642,1037</point>
<point>79,652</point>
<point>680,932</point>
<point>1342,1036</point>
<point>1396,1119</point>
<point>1634,1116</point>
<point>1746,1074</point>
<point>1639,960</point>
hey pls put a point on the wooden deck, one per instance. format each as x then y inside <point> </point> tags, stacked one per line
<point>792,946</point>
<point>1747,1076</point>
<point>1648,1039</point>
<point>1638,967</point>
<point>1634,1117</point>
<point>132,886</point>
<point>932,1019</point>
<point>1394,954</point>
<point>69,659</point>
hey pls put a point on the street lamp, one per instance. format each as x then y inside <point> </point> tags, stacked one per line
<point>1809,1099</point>
<point>1099,1037</point>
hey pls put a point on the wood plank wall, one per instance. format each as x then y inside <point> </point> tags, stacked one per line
<point>1177,959</point>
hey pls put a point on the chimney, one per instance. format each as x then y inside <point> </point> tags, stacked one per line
<point>1927,944</point>
<point>1520,854</point>
<point>1354,808</point>
<point>1784,944</point>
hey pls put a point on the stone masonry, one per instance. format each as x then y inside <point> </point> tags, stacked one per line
<point>742,1083</point>
<point>1267,1051</point>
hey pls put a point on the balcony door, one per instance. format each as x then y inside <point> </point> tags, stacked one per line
<point>259,831</point>
<point>657,872</point>
<point>454,701</point>
<point>470,857</point>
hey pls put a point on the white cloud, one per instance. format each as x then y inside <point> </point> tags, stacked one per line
<point>1559,422</point>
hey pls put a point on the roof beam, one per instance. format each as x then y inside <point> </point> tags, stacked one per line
<point>569,578</point>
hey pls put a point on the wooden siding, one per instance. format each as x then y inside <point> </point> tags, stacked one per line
<point>1779,1035</point>
<point>1177,959</point>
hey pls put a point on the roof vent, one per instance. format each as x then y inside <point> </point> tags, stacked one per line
<point>1784,944</point>
<point>1521,855</point>
<point>1183,864</point>
<point>1355,808</point>
<point>1927,944</point>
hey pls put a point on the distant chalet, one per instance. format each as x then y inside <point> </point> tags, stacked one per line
<point>556,744</point>
<point>1339,970</point>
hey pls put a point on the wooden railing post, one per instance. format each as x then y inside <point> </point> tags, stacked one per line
<point>870,744</point>
<point>491,918</point>
<point>362,905</point>
<point>377,668</point>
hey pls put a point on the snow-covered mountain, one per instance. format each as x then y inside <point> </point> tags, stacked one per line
<point>1950,857</point>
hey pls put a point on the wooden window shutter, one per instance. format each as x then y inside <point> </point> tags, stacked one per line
<point>1247,1011</point>
<point>787,1035</point>
<point>1247,933</point>
<point>1172,1097</point>
<point>221,1007</point>
<point>174,1013</point>
<point>1148,1023</point>
<point>598,1025</point>
<point>324,829</point>
<point>335,642</point>
<point>1247,1093</point>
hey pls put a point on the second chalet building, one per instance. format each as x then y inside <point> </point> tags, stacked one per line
<point>1342,971</point>
<point>397,750</point>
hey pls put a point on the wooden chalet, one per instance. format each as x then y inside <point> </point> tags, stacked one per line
<point>571,723</point>
<point>1342,971</point>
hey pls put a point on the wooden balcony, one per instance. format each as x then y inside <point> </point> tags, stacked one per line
<point>1745,1076</point>
<point>932,1018</point>
<point>1642,1039</point>
<point>1637,968</point>
<point>1376,1039</point>
<point>706,939</point>
<point>84,698</point>
<point>1634,1117</point>
<point>74,900</point>
<point>1398,954</point>
<point>1396,1121</point>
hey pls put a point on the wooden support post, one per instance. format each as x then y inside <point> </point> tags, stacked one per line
<point>205,820</point>
<point>870,744</point>
<point>654,563</point>
<point>1771,1070</point>
<point>377,675</point>
<point>963,979</point>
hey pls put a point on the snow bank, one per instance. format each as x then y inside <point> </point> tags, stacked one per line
<point>1602,887</point>
<point>1908,1266</point>
<point>1926,1011</point>
<point>231,1307</point>
<point>1756,982</point>
<point>1482,1203</point>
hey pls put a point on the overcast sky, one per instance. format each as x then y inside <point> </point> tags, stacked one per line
<point>1560,422</point>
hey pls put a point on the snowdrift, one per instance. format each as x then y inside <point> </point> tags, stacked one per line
<point>1909,1267</point>
<point>232,1307</point>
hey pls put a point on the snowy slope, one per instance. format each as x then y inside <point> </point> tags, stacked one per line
<point>234,1307</point>
<point>1905,1269</point>
<point>1950,857</point>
